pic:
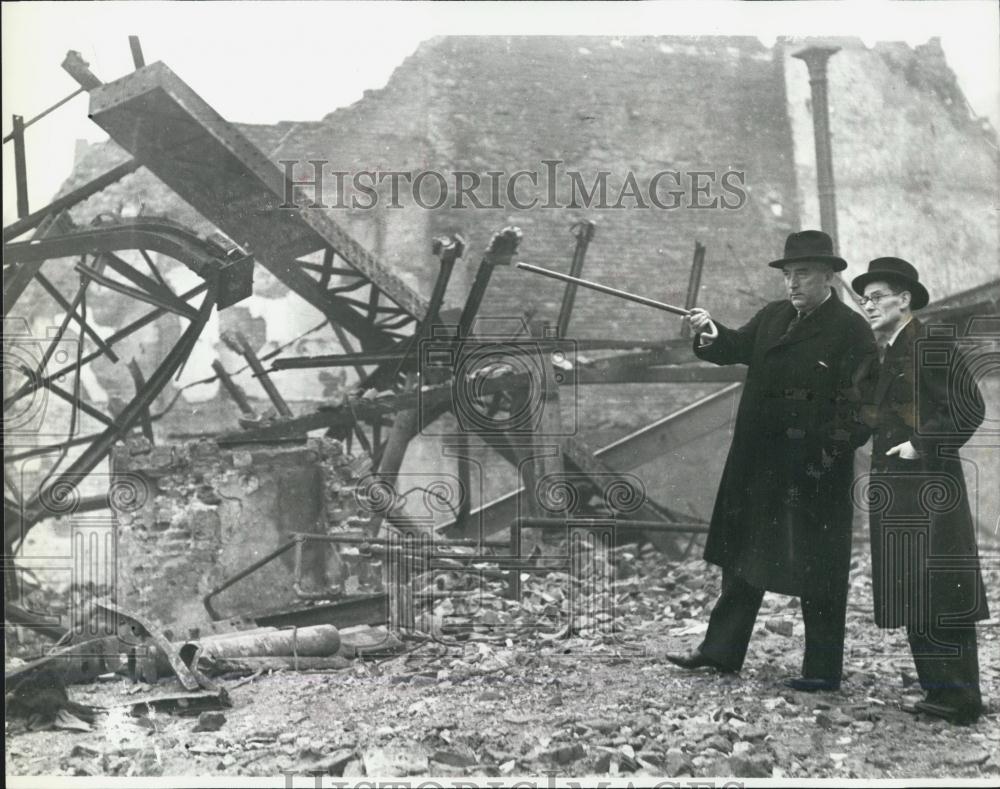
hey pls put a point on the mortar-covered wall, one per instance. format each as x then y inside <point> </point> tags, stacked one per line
<point>916,173</point>
<point>634,105</point>
<point>189,516</point>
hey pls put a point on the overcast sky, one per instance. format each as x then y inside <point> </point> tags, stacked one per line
<point>262,62</point>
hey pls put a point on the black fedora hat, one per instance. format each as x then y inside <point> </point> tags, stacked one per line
<point>809,245</point>
<point>898,272</point>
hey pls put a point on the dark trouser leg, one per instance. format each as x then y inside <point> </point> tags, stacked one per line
<point>947,662</point>
<point>824,620</point>
<point>731,623</point>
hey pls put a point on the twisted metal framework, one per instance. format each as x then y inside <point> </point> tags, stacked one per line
<point>38,368</point>
<point>209,163</point>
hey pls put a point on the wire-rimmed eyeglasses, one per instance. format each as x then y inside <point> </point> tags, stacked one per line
<point>874,298</point>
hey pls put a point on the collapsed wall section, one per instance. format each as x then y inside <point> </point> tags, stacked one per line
<point>198,513</point>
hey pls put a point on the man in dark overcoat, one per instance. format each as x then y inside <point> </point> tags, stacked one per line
<point>783,513</point>
<point>923,403</point>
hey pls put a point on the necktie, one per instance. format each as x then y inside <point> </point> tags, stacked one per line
<point>882,343</point>
<point>794,322</point>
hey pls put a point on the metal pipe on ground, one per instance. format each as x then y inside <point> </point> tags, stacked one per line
<point>215,666</point>
<point>315,641</point>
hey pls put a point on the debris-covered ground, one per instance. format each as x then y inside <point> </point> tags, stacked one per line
<point>598,700</point>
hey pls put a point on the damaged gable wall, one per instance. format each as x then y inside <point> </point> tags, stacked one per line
<point>633,105</point>
<point>916,174</point>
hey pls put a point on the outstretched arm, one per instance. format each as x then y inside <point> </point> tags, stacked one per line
<point>727,346</point>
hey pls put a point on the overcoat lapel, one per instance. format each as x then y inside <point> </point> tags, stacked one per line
<point>890,369</point>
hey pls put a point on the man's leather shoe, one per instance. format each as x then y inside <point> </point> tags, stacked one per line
<point>695,660</point>
<point>960,716</point>
<point>811,684</point>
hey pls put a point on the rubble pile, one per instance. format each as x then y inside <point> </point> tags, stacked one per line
<point>485,686</point>
<point>610,596</point>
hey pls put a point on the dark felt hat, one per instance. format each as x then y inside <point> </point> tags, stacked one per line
<point>897,272</point>
<point>809,245</point>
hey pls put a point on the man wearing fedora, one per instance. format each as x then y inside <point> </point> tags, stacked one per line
<point>782,516</point>
<point>923,403</point>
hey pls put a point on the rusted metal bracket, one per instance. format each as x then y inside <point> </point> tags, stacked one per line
<point>448,250</point>
<point>137,630</point>
<point>694,285</point>
<point>20,168</point>
<point>500,252</point>
<point>402,374</point>
<point>69,200</point>
<point>137,58</point>
<point>205,258</point>
<point>79,69</point>
<point>233,390</point>
<point>584,232</point>
<point>238,343</point>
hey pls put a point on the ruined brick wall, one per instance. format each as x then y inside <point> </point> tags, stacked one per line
<point>640,105</point>
<point>191,515</point>
<point>916,173</point>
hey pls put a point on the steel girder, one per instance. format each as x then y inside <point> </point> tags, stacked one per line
<point>208,162</point>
